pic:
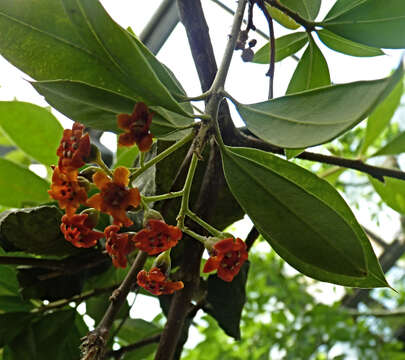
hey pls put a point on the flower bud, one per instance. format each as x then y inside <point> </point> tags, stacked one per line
<point>93,217</point>
<point>151,214</point>
<point>163,262</point>
<point>247,55</point>
<point>88,172</point>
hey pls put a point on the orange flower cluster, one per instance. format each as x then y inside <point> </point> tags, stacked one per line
<point>157,283</point>
<point>227,256</point>
<point>157,237</point>
<point>73,150</point>
<point>136,127</point>
<point>78,231</point>
<point>115,197</point>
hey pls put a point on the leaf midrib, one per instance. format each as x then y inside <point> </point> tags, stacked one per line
<point>257,181</point>
<point>99,41</point>
<point>284,118</point>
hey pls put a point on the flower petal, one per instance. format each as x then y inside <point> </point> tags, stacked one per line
<point>124,121</point>
<point>121,176</point>
<point>101,179</point>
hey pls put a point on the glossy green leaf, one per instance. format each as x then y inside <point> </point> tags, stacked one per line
<point>394,147</point>
<point>381,116</point>
<point>115,45</point>
<point>39,38</point>
<point>345,46</point>
<point>307,9</point>
<point>392,192</point>
<point>285,46</point>
<point>282,18</point>
<point>98,108</point>
<point>32,128</point>
<point>316,116</point>
<point>311,72</point>
<point>302,217</point>
<point>34,230</point>
<point>370,22</point>
<point>19,186</point>
<point>225,301</point>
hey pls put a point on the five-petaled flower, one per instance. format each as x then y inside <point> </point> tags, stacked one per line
<point>74,148</point>
<point>118,245</point>
<point>115,196</point>
<point>67,191</point>
<point>136,127</point>
<point>157,237</point>
<point>78,230</point>
<point>227,256</point>
<point>157,283</point>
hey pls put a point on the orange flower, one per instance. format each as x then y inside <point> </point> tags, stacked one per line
<point>228,256</point>
<point>157,237</point>
<point>157,283</point>
<point>136,127</point>
<point>74,148</point>
<point>78,230</point>
<point>118,245</point>
<point>115,197</point>
<point>67,191</point>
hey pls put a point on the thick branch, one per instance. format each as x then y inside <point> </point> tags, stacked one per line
<point>374,171</point>
<point>94,342</point>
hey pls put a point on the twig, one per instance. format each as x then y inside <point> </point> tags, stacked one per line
<point>376,313</point>
<point>93,345</point>
<point>77,299</point>
<point>251,238</point>
<point>374,171</point>
<point>270,72</point>
<point>117,354</point>
<point>308,25</point>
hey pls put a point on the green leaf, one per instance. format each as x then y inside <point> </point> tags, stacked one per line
<point>371,22</point>
<point>345,46</point>
<point>115,45</point>
<point>307,9</point>
<point>381,116</point>
<point>32,128</point>
<point>12,324</point>
<point>292,153</point>
<point>392,192</point>
<point>303,218</point>
<point>316,116</point>
<point>135,330</point>
<point>23,347</point>
<point>285,46</point>
<point>311,72</point>
<point>35,230</point>
<point>282,18</point>
<point>18,185</point>
<point>225,301</point>
<point>96,307</point>
<point>126,156</point>
<point>44,284</point>
<point>39,38</point>
<point>98,108</point>
<point>394,147</point>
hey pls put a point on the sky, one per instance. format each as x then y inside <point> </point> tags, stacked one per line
<point>246,81</point>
